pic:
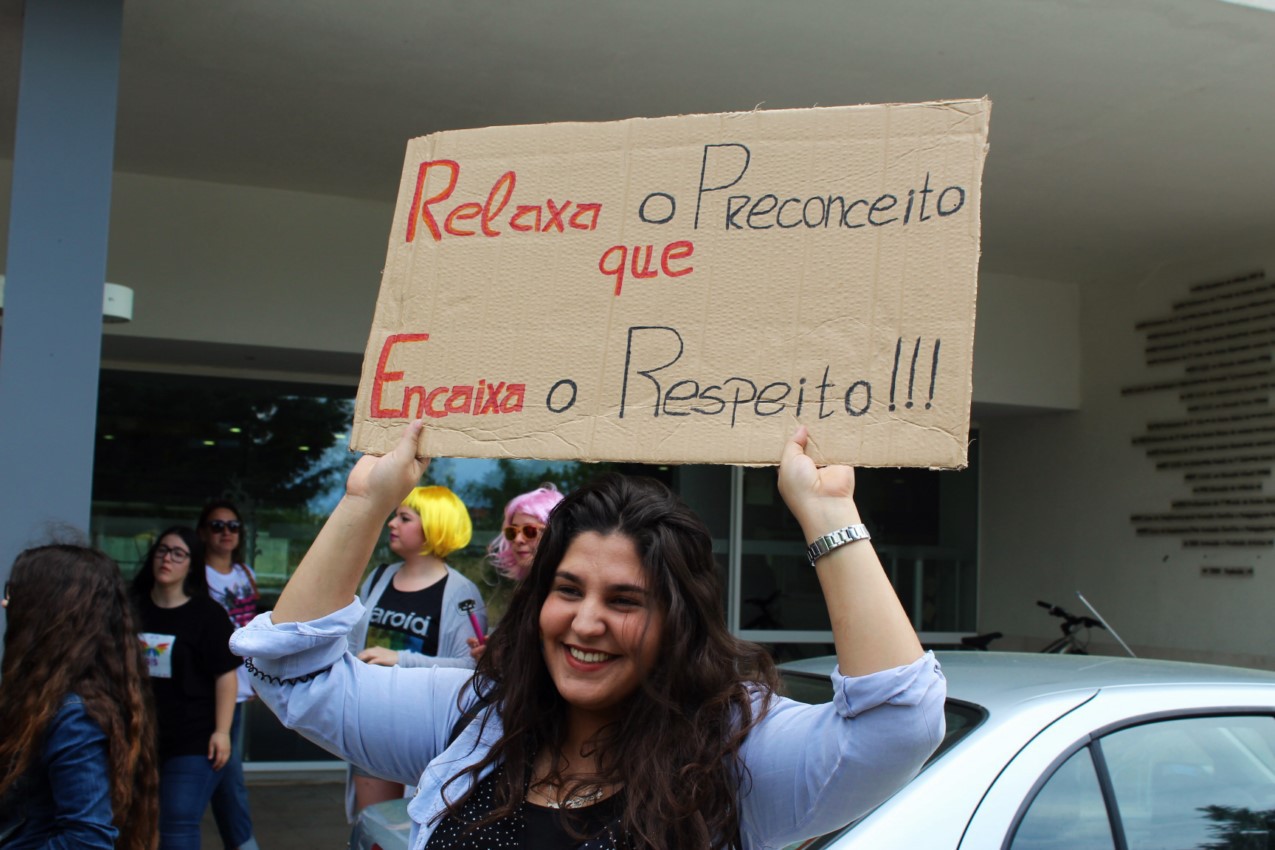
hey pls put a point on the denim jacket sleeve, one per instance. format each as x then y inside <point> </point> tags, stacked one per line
<point>390,721</point>
<point>815,768</point>
<point>75,758</point>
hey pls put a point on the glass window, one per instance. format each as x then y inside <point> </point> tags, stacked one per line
<point>1206,783</point>
<point>1068,812</point>
<point>924,526</point>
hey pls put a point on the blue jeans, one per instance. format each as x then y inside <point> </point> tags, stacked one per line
<point>230,797</point>
<point>186,784</point>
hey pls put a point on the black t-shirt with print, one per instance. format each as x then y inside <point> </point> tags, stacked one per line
<point>186,649</point>
<point>407,619</point>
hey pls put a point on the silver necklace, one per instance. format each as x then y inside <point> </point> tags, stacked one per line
<point>576,801</point>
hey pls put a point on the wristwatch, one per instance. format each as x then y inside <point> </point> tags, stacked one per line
<point>833,539</point>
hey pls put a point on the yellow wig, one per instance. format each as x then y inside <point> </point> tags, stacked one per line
<point>444,519</point>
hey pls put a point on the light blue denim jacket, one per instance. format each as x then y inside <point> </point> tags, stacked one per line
<point>65,796</point>
<point>813,768</point>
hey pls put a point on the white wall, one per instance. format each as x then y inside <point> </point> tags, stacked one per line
<point>1027,343</point>
<point>1058,491</point>
<point>236,265</point>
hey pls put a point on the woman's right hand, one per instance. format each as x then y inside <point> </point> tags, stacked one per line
<point>328,576</point>
<point>390,477</point>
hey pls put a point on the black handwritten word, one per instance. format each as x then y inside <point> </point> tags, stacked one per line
<point>612,261</point>
<point>476,400</point>
<point>526,218</point>
<point>769,210</point>
<point>652,349</point>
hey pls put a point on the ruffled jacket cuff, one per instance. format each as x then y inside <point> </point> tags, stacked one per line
<point>295,650</point>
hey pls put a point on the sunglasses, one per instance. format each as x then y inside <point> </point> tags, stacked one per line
<point>220,525</point>
<point>179,556</point>
<point>529,532</point>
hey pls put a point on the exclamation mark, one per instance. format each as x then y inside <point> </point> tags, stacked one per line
<point>894,376</point>
<point>916,350</point>
<point>934,371</point>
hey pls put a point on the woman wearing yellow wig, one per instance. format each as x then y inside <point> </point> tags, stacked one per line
<point>413,615</point>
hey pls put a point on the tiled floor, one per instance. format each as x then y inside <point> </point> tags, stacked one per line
<point>292,816</point>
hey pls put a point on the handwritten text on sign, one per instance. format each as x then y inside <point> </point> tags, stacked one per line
<point>685,289</point>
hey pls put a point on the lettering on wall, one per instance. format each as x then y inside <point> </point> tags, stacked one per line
<point>1216,349</point>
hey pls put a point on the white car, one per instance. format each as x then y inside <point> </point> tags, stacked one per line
<point>1059,752</point>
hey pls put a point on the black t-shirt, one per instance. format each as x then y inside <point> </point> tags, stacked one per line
<point>407,619</point>
<point>531,827</point>
<point>186,649</point>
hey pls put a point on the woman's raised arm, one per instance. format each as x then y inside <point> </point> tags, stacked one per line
<point>328,577</point>
<point>870,629</point>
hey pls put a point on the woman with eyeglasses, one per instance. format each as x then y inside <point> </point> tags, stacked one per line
<point>77,752</point>
<point>511,551</point>
<point>185,636</point>
<point>233,585</point>
<point>413,615</point>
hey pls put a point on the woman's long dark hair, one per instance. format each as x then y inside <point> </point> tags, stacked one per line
<point>676,748</point>
<point>71,630</point>
<point>196,583</point>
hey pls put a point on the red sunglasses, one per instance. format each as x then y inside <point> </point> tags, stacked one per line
<point>529,532</point>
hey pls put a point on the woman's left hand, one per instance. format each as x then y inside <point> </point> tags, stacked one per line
<point>379,656</point>
<point>219,749</point>
<point>820,499</point>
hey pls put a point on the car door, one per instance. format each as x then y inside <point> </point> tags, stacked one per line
<point>1139,768</point>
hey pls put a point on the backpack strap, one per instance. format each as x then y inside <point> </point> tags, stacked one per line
<point>376,578</point>
<point>256,594</point>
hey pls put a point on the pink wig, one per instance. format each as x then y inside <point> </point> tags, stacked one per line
<point>538,503</point>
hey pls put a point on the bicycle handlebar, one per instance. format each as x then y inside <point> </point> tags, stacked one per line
<point>1070,620</point>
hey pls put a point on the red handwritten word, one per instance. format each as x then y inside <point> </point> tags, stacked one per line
<point>477,400</point>
<point>526,218</point>
<point>612,261</point>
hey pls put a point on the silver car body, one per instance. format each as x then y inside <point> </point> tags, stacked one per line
<point>1033,712</point>
<point>1038,709</point>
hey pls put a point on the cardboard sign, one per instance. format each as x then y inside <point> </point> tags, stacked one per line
<point>685,289</point>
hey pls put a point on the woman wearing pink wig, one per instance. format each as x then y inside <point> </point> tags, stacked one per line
<point>513,549</point>
<point>525,517</point>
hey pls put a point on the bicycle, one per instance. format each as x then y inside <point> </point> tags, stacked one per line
<point>1070,643</point>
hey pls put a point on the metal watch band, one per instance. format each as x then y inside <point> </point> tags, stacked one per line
<point>833,539</point>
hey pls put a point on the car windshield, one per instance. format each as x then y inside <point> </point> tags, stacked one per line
<point>961,717</point>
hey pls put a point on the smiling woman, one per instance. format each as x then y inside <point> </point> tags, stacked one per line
<point>612,706</point>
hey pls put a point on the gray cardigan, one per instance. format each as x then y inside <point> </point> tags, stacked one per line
<point>454,625</point>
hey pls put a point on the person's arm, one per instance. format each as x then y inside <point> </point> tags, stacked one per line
<point>870,629</point>
<point>226,689</point>
<point>75,756</point>
<point>329,573</point>
<point>387,720</point>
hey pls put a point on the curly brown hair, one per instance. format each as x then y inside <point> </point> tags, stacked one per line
<point>74,598</point>
<point>676,748</point>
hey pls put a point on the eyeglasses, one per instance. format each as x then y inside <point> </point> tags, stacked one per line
<point>179,556</point>
<point>220,525</point>
<point>529,532</point>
